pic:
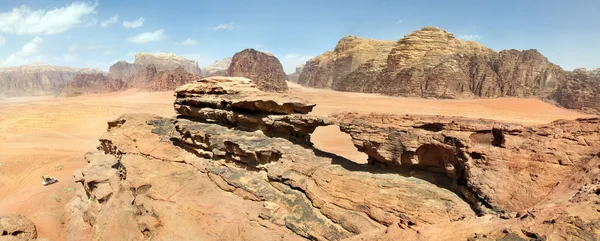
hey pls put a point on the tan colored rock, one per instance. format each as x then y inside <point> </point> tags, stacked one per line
<point>92,84</point>
<point>330,69</point>
<point>37,79</point>
<point>161,61</point>
<point>217,68</point>
<point>17,228</point>
<point>264,68</point>
<point>150,79</point>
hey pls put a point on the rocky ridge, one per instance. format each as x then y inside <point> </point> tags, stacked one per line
<point>264,68</point>
<point>37,79</point>
<point>237,164</point>
<point>217,68</point>
<point>92,84</point>
<point>161,61</point>
<point>330,69</point>
<point>432,63</point>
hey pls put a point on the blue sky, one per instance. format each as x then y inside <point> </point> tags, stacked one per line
<point>98,33</point>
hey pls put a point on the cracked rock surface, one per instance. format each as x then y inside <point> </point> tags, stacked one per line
<point>237,164</point>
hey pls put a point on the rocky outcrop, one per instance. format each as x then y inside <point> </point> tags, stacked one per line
<point>296,75</point>
<point>17,228</point>
<point>237,164</point>
<point>161,61</point>
<point>92,84</point>
<point>265,69</point>
<point>217,68</point>
<point>37,79</point>
<point>581,90</point>
<point>150,79</point>
<point>330,69</point>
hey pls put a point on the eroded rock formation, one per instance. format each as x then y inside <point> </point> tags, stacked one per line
<point>92,84</point>
<point>330,69</point>
<point>17,228</point>
<point>161,61</point>
<point>432,63</point>
<point>217,68</point>
<point>237,164</point>
<point>264,68</point>
<point>150,79</point>
<point>37,79</point>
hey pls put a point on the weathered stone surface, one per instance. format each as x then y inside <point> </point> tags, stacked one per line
<point>265,69</point>
<point>231,166</point>
<point>92,84</point>
<point>217,68</point>
<point>150,79</point>
<point>17,228</point>
<point>161,61</point>
<point>330,69</point>
<point>432,63</point>
<point>296,75</point>
<point>527,162</point>
<point>37,79</point>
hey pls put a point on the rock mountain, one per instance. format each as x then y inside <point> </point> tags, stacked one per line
<point>37,79</point>
<point>162,61</point>
<point>431,62</point>
<point>263,68</point>
<point>296,75</point>
<point>217,68</point>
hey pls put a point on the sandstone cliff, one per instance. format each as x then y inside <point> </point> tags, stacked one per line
<point>296,75</point>
<point>431,62</point>
<point>150,79</point>
<point>265,69</point>
<point>124,70</point>
<point>37,79</point>
<point>92,84</point>
<point>208,174</point>
<point>217,68</point>
<point>330,69</point>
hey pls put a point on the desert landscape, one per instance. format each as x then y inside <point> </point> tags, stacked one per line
<point>430,136</point>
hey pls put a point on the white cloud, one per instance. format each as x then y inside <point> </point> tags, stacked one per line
<point>110,21</point>
<point>32,47</point>
<point>188,42</point>
<point>135,24</point>
<point>24,20</point>
<point>147,37</point>
<point>107,52</point>
<point>473,37</point>
<point>2,41</point>
<point>26,54</point>
<point>223,26</point>
<point>290,61</point>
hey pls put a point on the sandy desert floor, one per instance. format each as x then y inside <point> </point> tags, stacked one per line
<point>44,135</point>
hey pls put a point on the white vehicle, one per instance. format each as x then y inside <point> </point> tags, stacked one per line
<point>47,180</point>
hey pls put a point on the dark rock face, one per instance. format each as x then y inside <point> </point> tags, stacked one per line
<point>581,90</point>
<point>265,69</point>
<point>92,84</point>
<point>330,69</point>
<point>233,147</point>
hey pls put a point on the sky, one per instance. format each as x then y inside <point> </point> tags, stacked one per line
<point>99,33</point>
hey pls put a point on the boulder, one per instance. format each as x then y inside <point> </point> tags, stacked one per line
<point>17,228</point>
<point>264,68</point>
